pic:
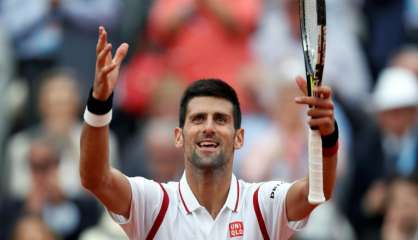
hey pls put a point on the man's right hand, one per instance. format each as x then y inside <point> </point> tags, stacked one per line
<point>107,67</point>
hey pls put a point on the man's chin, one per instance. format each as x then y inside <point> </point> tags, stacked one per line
<point>203,161</point>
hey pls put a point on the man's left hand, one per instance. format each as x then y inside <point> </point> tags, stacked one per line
<point>322,111</point>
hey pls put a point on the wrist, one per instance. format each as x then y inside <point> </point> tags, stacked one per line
<point>99,107</point>
<point>98,113</point>
<point>330,142</point>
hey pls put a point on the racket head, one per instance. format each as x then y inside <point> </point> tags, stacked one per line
<point>313,35</point>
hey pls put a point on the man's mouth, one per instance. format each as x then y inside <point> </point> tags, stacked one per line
<point>207,145</point>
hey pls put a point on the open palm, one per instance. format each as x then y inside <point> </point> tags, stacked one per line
<point>107,67</point>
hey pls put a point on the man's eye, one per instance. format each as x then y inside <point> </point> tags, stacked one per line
<point>221,120</point>
<point>197,119</point>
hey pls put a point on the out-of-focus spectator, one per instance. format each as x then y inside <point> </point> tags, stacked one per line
<point>32,227</point>
<point>59,109</point>
<point>155,141</point>
<point>106,229</point>
<point>7,108</point>
<point>328,214</point>
<point>139,80</point>
<point>401,217</point>
<point>206,38</point>
<point>54,32</point>
<point>386,150</point>
<point>46,197</point>
<point>66,216</point>
<point>407,57</point>
<point>80,20</point>
<point>390,24</point>
<point>278,38</point>
<point>267,159</point>
<point>155,145</point>
<point>133,24</point>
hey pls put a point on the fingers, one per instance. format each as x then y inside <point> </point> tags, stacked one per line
<point>106,70</point>
<point>315,102</point>
<point>102,41</point>
<point>323,100</point>
<point>323,92</point>
<point>300,81</point>
<point>318,113</point>
<point>324,124</point>
<point>103,55</point>
<point>321,109</point>
<point>120,53</point>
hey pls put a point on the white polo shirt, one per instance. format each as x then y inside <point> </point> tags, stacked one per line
<point>187,219</point>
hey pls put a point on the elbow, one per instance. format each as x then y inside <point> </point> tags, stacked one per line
<point>329,191</point>
<point>328,195</point>
<point>87,183</point>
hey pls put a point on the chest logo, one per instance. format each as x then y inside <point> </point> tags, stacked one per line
<point>236,229</point>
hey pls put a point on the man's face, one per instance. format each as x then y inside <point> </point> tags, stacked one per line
<point>208,136</point>
<point>398,121</point>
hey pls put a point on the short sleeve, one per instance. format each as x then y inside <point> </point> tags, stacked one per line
<point>272,199</point>
<point>145,204</point>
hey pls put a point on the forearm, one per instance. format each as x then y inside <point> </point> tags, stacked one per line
<point>330,173</point>
<point>94,156</point>
<point>300,190</point>
<point>321,117</point>
<point>110,186</point>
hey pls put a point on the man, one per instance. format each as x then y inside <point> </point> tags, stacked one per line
<point>208,202</point>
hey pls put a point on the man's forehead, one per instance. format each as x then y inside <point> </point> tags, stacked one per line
<point>207,104</point>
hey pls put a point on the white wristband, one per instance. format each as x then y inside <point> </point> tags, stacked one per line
<point>95,120</point>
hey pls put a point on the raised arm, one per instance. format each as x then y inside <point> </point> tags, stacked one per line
<point>110,186</point>
<point>322,116</point>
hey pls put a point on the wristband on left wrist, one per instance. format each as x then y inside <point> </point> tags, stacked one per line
<point>331,139</point>
<point>330,142</point>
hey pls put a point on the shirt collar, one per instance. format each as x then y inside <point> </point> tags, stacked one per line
<point>190,203</point>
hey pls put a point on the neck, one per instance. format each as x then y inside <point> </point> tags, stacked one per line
<point>210,187</point>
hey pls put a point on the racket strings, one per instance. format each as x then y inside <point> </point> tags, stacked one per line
<point>311,30</point>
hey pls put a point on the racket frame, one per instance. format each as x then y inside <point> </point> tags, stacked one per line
<point>314,75</point>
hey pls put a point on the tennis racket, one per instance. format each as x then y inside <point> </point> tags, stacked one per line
<point>313,31</point>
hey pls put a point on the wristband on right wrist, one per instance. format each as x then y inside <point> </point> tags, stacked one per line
<point>97,106</point>
<point>98,113</point>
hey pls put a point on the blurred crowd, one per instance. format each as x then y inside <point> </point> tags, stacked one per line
<point>47,50</point>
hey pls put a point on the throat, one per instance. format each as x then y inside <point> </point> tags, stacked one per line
<point>210,190</point>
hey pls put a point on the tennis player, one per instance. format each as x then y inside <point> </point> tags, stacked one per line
<point>209,202</point>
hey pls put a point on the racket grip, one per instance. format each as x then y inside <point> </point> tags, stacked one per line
<point>316,188</point>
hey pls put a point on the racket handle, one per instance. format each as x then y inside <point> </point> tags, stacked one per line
<point>316,188</point>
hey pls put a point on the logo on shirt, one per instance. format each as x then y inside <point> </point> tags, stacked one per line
<point>273,191</point>
<point>236,229</point>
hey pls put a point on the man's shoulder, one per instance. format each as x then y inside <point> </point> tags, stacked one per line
<point>143,184</point>
<point>268,188</point>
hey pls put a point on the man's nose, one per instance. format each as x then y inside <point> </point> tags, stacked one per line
<point>209,128</point>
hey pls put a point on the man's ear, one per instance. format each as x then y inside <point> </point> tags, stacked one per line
<point>239,138</point>
<point>178,137</point>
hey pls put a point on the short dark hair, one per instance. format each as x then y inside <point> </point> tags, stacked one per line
<point>210,88</point>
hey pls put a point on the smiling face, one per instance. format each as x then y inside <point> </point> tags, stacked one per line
<point>208,136</point>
